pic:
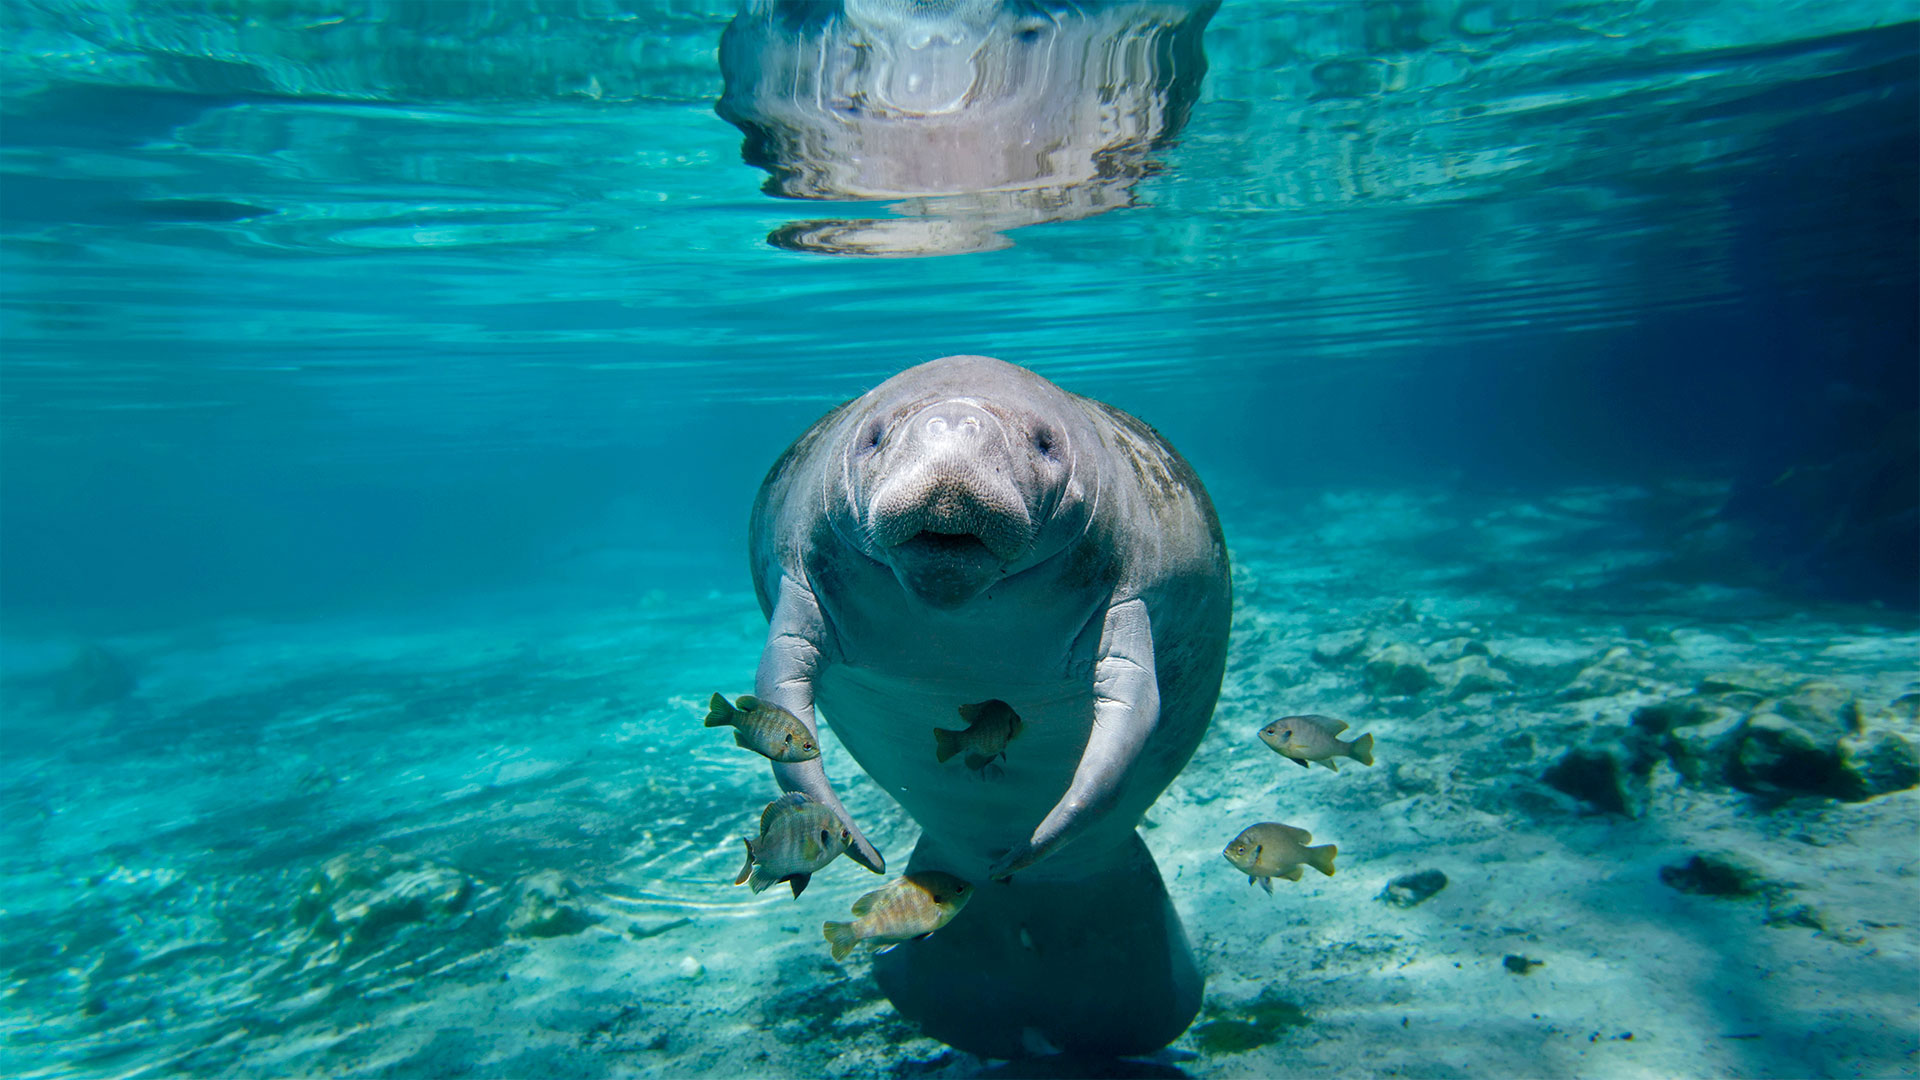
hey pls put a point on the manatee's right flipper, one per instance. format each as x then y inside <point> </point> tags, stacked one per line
<point>1095,963</point>
<point>795,650</point>
<point>1126,709</point>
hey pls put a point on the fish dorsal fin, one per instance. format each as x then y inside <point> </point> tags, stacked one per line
<point>970,713</point>
<point>1326,723</point>
<point>781,805</point>
<point>746,703</point>
<point>865,903</point>
<point>1298,835</point>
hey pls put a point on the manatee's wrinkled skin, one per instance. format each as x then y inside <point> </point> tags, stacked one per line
<point>985,115</point>
<point>968,531</point>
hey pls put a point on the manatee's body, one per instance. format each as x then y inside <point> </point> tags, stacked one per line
<point>965,532</point>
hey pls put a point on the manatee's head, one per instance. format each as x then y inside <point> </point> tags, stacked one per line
<point>961,472</point>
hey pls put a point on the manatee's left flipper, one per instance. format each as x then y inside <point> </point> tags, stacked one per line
<point>1126,707</point>
<point>795,651</point>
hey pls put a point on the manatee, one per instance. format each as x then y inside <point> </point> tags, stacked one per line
<point>968,531</point>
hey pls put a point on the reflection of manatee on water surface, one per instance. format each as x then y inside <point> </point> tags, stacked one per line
<point>969,532</point>
<point>979,115</point>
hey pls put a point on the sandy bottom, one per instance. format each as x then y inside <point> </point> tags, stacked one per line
<point>497,842</point>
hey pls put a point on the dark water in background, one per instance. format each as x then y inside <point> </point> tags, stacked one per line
<point>337,310</point>
<point>321,321</point>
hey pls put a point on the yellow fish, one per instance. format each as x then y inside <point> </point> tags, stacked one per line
<point>798,837</point>
<point>767,730</point>
<point>991,725</point>
<point>1270,850</point>
<point>1311,738</point>
<point>912,907</point>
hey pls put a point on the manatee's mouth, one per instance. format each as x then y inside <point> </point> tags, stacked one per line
<point>944,569</point>
<point>929,543</point>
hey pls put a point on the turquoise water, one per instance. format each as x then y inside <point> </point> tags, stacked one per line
<point>385,389</point>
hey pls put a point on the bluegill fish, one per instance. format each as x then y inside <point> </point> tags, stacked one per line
<point>798,837</point>
<point>767,730</point>
<point>1311,738</point>
<point>912,907</point>
<point>1270,850</point>
<point>991,725</point>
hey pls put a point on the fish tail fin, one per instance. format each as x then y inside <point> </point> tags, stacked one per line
<point>840,935</point>
<point>1267,884</point>
<point>747,870</point>
<point>945,744</point>
<point>1362,750</point>
<point>1321,858</point>
<point>799,883</point>
<point>719,713</point>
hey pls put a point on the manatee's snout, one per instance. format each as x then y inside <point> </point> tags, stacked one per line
<point>948,516</point>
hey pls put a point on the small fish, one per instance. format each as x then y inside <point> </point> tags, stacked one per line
<point>768,730</point>
<point>912,907</point>
<point>991,725</point>
<point>798,837</point>
<point>1270,850</point>
<point>1311,738</point>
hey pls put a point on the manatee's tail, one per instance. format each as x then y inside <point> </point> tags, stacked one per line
<point>946,744</point>
<point>719,713</point>
<point>1096,964</point>
<point>840,935</point>
<point>747,870</point>
<point>1321,858</point>
<point>1362,750</point>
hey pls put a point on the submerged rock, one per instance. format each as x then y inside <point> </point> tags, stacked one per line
<point>1397,671</point>
<point>94,677</point>
<point>1410,889</point>
<point>1617,671</point>
<point>1611,778</point>
<point>1717,874</point>
<point>548,906</point>
<point>1445,652</point>
<point>1877,763</point>
<point>1336,649</point>
<point>358,899</point>
<point>1473,674</point>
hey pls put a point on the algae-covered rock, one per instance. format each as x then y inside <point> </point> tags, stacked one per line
<point>1877,763</point>
<point>1821,706</point>
<point>1608,777</point>
<point>1699,752</point>
<point>1472,674</point>
<point>1397,671</point>
<point>1718,873</point>
<point>1334,650</point>
<point>1776,755</point>
<point>1764,681</point>
<point>1446,652</point>
<point>1616,671</point>
<point>1410,889</point>
<point>360,898</point>
<point>548,905</point>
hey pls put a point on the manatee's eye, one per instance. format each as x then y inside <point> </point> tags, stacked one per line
<point>1044,440</point>
<point>870,438</point>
